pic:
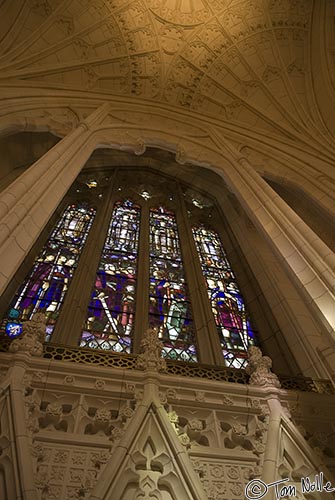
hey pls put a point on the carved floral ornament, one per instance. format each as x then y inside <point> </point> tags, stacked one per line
<point>259,369</point>
<point>33,336</point>
<point>150,358</point>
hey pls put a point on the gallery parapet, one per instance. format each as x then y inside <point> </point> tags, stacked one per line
<point>182,369</point>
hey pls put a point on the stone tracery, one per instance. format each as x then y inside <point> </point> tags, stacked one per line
<point>254,74</point>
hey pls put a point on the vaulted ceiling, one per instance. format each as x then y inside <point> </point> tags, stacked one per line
<point>265,64</point>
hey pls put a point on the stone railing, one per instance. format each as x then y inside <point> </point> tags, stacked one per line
<point>129,361</point>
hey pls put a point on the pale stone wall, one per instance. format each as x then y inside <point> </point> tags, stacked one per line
<point>200,439</point>
<point>318,219</point>
<point>241,88</point>
<point>95,432</point>
<point>19,151</point>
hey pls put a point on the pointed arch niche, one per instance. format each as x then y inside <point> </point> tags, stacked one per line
<point>179,306</point>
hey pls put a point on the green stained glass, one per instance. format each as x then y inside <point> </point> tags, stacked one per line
<point>170,308</point>
<point>228,307</point>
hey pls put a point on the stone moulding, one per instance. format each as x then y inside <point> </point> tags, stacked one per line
<point>129,361</point>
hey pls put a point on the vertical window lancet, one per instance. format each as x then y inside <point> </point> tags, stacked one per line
<point>46,286</point>
<point>227,304</point>
<point>110,318</point>
<point>169,303</point>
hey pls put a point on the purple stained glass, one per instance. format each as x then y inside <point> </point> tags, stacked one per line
<point>232,322</point>
<point>47,284</point>
<point>110,318</point>
<point>169,306</point>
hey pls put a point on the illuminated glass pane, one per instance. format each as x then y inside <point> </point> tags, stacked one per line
<point>47,284</point>
<point>227,303</point>
<point>110,317</point>
<point>170,309</point>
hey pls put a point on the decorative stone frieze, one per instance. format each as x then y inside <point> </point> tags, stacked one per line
<point>67,472</point>
<point>171,394</point>
<point>99,384</point>
<point>222,481</point>
<point>226,400</point>
<point>130,387</point>
<point>69,380</point>
<point>200,396</point>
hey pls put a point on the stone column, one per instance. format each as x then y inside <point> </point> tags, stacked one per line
<point>271,454</point>
<point>22,440</point>
<point>27,204</point>
<point>259,370</point>
<point>24,348</point>
<point>298,236</point>
<point>208,343</point>
<point>310,261</point>
<point>142,285</point>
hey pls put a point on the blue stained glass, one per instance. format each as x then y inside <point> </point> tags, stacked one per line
<point>13,329</point>
<point>46,286</point>
<point>169,306</point>
<point>232,322</point>
<point>110,318</point>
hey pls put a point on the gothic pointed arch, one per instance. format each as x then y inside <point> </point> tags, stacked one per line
<point>149,461</point>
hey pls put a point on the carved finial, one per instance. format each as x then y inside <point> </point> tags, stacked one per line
<point>151,355</point>
<point>33,336</point>
<point>259,369</point>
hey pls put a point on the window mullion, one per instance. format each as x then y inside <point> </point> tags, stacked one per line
<point>209,349</point>
<point>142,291</point>
<point>74,310</point>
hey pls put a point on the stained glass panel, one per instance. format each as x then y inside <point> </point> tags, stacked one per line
<point>170,309</point>
<point>233,325</point>
<point>110,317</point>
<point>46,286</point>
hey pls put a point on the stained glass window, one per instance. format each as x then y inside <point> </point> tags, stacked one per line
<point>110,319</point>
<point>232,323</point>
<point>170,309</point>
<point>49,280</point>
